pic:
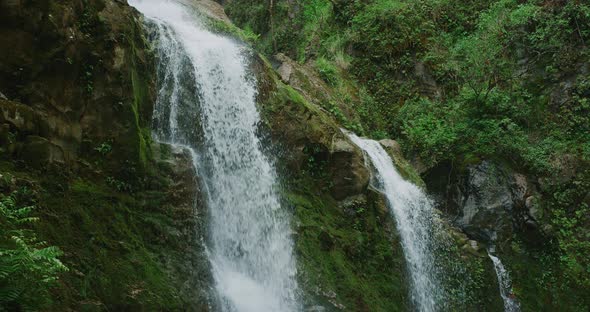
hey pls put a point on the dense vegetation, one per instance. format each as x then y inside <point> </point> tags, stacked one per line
<point>457,82</point>
<point>449,77</point>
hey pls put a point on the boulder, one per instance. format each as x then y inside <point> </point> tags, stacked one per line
<point>566,167</point>
<point>309,135</point>
<point>427,84</point>
<point>405,168</point>
<point>472,247</point>
<point>67,73</point>
<point>285,71</point>
<point>349,174</point>
<point>392,145</point>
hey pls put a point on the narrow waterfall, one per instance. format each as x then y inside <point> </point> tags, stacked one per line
<point>206,102</point>
<point>413,213</point>
<point>504,283</point>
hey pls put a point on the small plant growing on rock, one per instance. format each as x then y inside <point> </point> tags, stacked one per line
<point>104,148</point>
<point>119,185</point>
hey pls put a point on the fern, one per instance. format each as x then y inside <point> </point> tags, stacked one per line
<point>28,267</point>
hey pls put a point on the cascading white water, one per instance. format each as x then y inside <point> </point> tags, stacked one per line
<point>206,101</point>
<point>504,283</point>
<point>414,216</point>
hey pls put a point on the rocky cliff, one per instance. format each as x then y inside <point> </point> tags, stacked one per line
<point>77,80</point>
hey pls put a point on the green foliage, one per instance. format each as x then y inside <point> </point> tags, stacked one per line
<point>246,34</point>
<point>333,108</point>
<point>119,185</point>
<point>87,79</point>
<point>89,21</point>
<point>328,71</point>
<point>570,210</point>
<point>484,56</point>
<point>488,110</point>
<point>433,130</point>
<point>316,163</point>
<point>115,243</point>
<point>574,114</point>
<point>104,149</point>
<point>28,267</point>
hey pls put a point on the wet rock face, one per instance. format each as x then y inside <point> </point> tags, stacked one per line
<point>184,259</point>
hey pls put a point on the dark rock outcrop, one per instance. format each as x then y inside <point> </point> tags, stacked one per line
<point>349,174</point>
<point>82,69</point>
<point>488,201</point>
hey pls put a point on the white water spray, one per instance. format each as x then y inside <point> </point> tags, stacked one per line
<point>504,283</point>
<point>413,213</point>
<point>206,101</point>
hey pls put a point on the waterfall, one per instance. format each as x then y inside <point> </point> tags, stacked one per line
<point>504,283</point>
<point>414,216</point>
<point>206,101</point>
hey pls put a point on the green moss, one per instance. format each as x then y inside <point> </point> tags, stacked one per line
<point>280,106</point>
<point>467,274</point>
<point>348,254</point>
<point>406,170</point>
<point>140,100</point>
<point>108,239</point>
<point>102,231</point>
<point>231,30</point>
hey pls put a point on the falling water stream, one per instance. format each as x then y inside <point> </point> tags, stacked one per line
<point>414,216</point>
<point>206,101</point>
<point>504,283</point>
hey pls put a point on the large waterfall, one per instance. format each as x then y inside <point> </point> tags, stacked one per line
<point>206,101</point>
<point>414,216</point>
